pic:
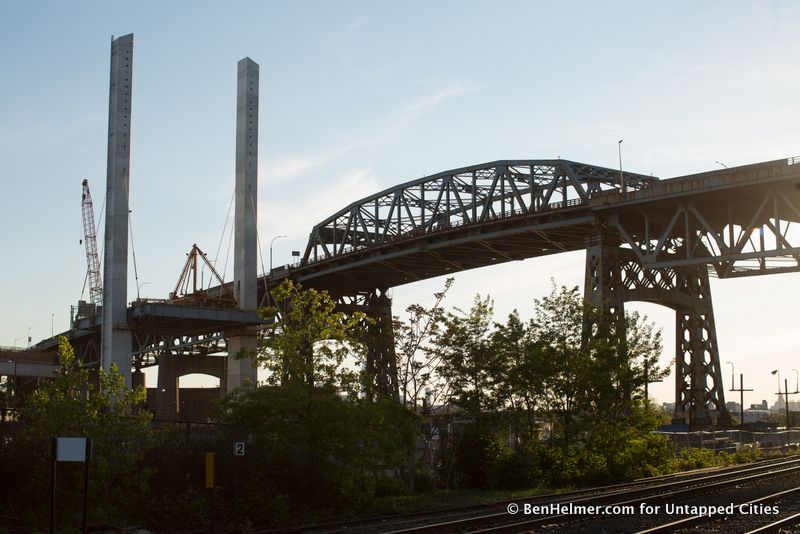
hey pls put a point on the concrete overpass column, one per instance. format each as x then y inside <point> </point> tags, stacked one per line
<point>167,396</point>
<point>242,371</point>
<point>116,336</point>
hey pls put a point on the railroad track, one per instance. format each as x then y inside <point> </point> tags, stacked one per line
<point>497,514</point>
<point>730,517</point>
<point>625,504</point>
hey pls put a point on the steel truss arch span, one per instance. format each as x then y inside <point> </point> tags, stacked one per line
<point>459,197</point>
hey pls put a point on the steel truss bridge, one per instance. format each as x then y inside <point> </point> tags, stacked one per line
<point>654,240</point>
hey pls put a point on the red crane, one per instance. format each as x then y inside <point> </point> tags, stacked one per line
<point>90,238</point>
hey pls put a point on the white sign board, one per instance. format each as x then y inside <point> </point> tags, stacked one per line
<point>70,449</point>
<point>238,448</point>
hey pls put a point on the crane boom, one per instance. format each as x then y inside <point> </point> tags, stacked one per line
<point>90,238</point>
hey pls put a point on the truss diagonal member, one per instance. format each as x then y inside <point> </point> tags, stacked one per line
<point>710,230</point>
<point>495,251</point>
<point>746,232</point>
<point>576,183</point>
<point>781,238</point>
<point>515,190</point>
<point>667,233</point>
<point>462,208</point>
<point>636,247</point>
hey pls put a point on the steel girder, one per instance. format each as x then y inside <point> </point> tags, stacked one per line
<point>381,361</point>
<point>149,347</point>
<point>699,390</point>
<point>465,196</point>
<point>742,223</point>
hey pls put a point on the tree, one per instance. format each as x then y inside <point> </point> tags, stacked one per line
<point>469,360</point>
<point>523,372</point>
<point>417,360</point>
<point>557,327</point>
<point>309,340</point>
<point>72,404</point>
<point>315,443</point>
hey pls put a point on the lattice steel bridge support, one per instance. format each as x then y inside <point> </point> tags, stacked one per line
<point>381,361</point>
<point>614,276</point>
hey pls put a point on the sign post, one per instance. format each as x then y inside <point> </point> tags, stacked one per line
<point>71,450</point>
<point>238,450</point>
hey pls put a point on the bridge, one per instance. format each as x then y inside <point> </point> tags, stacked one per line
<point>646,239</point>
<point>650,240</point>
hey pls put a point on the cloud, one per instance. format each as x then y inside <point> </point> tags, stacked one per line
<point>297,219</point>
<point>281,170</point>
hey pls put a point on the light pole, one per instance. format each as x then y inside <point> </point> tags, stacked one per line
<point>786,394</point>
<point>140,287</point>
<point>270,249</point>
<point>796,381</point>
<point>721,164</point>
<point>621,179</point>
<point>732,372</point>
<point>52,317</point>
<point>29,337</point>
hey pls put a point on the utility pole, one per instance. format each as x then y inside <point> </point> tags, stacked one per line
<point>741,391</point>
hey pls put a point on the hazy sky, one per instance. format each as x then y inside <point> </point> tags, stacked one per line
<point>359,96</point>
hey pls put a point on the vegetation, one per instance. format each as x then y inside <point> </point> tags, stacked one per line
<point>484,406</point>
<point>73,404</point>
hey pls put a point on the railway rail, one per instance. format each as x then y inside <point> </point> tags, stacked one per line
<point>496,517</point>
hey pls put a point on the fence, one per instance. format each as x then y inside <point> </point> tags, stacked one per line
<point>733,440</point>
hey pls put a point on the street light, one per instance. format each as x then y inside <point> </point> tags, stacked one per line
<point>52,316</point>
<point>140,287</point>
<point>721,164</point>
<point>796,381</point>
<point>732,373</point>
<point>29,337</point>
<point>270,249</point>
<point>621,179</point>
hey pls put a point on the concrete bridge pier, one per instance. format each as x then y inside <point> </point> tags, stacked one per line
<point>170,403</point>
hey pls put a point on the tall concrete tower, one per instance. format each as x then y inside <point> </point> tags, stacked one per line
<point>116,337</point>
<point>245,265</point>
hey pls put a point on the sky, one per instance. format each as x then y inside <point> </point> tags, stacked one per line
<point>356,97</point>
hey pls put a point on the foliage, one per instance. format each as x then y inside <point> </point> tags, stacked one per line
<point>319,452</point>
<point>548,379</point>
<point>417,360</point>
<point>469,361</point>
<point>309,340</point>
<point>73,404</point>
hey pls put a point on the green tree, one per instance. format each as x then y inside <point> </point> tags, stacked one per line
<point>557,328</point>
<point>309,341</point>
<point>74,404</point>
<point>417,360</point>
<point>469,359</point>
<point>318,446</point>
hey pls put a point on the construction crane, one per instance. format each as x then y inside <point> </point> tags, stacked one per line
<point>90,238</point>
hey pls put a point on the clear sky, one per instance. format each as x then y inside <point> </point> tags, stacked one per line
<point>359,96</point>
